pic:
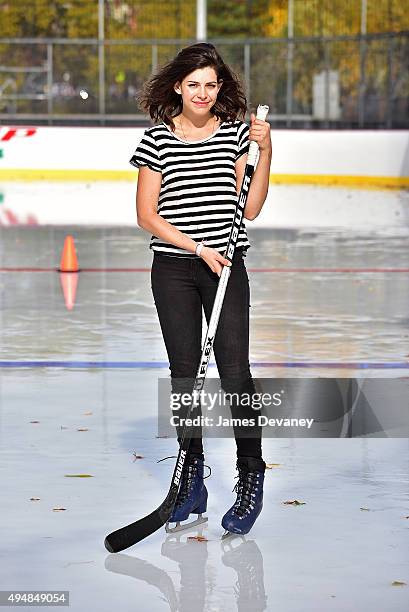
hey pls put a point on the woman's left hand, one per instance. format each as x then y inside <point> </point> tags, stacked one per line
<point>260,132</point>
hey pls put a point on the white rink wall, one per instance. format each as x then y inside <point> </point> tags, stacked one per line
<point>65,175</point>
<point>349,153</point>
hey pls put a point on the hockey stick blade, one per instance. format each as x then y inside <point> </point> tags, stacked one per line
<point>135,532</point>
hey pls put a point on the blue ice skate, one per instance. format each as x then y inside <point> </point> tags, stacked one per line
<point>192,496</point>
<point>241,517</point>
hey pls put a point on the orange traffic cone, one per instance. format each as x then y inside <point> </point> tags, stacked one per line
<point>69,262</point>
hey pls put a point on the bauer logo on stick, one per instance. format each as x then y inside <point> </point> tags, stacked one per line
<point>179,468</point>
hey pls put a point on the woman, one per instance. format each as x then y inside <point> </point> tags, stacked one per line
<point>191,165</point>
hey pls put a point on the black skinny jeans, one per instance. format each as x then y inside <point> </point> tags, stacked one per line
<point>181,286</point>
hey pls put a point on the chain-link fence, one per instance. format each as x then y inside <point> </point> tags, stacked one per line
<point>358,81</point>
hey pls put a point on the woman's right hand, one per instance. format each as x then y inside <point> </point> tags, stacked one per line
<point>214,259</point>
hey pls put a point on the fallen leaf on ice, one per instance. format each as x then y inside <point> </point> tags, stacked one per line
<point>87,413</point>
<point>34,421</point>
<point>365,509</point>
<point>58,509</point>
<point>199,538</point>
<point>398,583</point>
<point>135,456</point>
<point>270,466</point>
<point>34,499</point>
<point>82,428</point>
<point>78,476</point>
<point>295,502</point>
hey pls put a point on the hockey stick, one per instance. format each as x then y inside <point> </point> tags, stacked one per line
<point>135,532</point>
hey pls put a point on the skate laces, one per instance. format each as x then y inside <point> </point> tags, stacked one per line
<point>186,485</point>
<point>188,475</point>
<point>175,457</point>
<point>243,488</point>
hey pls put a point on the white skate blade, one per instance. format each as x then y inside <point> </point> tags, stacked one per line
<point>230,535</point>
<point>177,537</point>
<point>179,527</point>
<point>231,541</point>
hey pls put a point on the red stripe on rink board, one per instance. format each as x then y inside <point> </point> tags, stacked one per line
<point>273,270</point>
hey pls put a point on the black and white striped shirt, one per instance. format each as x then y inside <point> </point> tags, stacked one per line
<point>198,192</point>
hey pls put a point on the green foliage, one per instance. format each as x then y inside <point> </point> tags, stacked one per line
<point>241,18</point>
<point>128,66</point>
<point>177,18</point>
<point>53,18</point>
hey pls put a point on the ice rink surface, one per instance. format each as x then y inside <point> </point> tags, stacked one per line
<point>78,392</point>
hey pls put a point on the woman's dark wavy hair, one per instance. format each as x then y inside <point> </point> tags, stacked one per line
<point>159,99</point>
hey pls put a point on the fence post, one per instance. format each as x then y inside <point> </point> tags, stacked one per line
<point>154,58</point>
<point>290,53</point>
<point>247,71</point>
<point>50,82</point>
<point>362,63</point>
<point>101,60</point>
<point>201,20</point>
<point>326,84</point>
<point>389,95</point>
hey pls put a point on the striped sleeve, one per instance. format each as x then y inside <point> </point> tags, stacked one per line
<point>146,153</point>
<point>242,140</point>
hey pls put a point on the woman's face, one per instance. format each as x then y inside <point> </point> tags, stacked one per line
<point>199,90</point>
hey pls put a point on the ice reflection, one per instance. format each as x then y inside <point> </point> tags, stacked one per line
<point>246,559</point>
<point>198,589</point>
